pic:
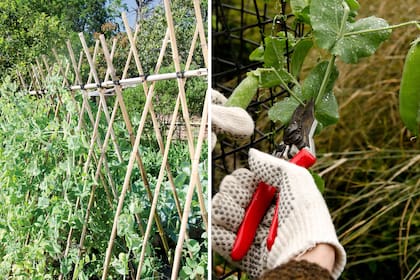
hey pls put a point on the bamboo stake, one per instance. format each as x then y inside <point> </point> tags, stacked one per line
<point>105,145</point>
<point>54,95</point>
<point>193,181</point>
<point>146,90</point>
<point>133,50</point>
<point>41,74</point>
<point>157,188</point>
<point>65,81</point>
<point>102,102</point>
<point>43,83</point>
<point>134,155</point>
<point>95,53</point>
<point>160,178</point>
<point>129,82</point>
<point>70,233</point>
<point>102,99</point>
<point>85,106</point>
<point>200,27</point>
<point>105,109</point>
<point>155,123</point>
<point>177,64</point>
<point>22,81</point>
<point>37,78</point>
<point>199,187</point>
<point>130,53</point>
<point>47,67</point>
<point>114,46</point>
<point>185,113</point>
<point>32,80</point>
<point>181,96</point>
<point>157,191</point>
<point>60,67</point>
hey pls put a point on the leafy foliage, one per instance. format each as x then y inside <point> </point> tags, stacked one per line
<point>153,29</point>
<point>333,32</point>
<point>332,29</point>
<point>41,174</point>
<point>29,28</point>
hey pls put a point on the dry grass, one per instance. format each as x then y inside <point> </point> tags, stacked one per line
<point>374,185</point>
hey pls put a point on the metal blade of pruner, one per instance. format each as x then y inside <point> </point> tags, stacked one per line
<point>298,134</point>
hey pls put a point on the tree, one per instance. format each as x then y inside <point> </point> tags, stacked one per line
<point>29,28</point>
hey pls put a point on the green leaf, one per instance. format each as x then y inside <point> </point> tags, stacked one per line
<point>353,47</point>
<point>319,182</point>
<point>300,9</point>
<point>191,263</point>
<point>180,179</point>
<point>121,264</point>
<point>304,16</point>
<point>257,54</point>
<point>283,110</point>
<point>299,54</point>
<point>271,77</point>
<point>312,83</point>
<point>65,265</point>
<point>186,272</point>
<point>326,112</point>
<point>52,247</point>
<point>274,52</point>
<point>133,241</point>
<point>355,41</point>
<point>326,17</point>
<point>298,5</point>
<point>43,202</point>
<point>353,5</point>
<point>73,143</point>
<point>193,246</point>
<point>125,224</point>
<point>135,205</point>
<point>199,270</point>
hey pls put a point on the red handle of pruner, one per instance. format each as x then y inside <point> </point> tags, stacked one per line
<point>304,158</point>
<point>259,204</point>
<point>257,208</point>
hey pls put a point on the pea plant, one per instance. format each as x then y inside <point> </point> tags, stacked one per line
<point>332,29</point>
<point>41,177</point>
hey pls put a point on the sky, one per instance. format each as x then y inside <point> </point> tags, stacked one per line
<point>131,14</point>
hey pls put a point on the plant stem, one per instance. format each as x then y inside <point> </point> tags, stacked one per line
<point>324,83</point>
<point>331,62</point>
<point>286,87</point>
<point>390,27</point>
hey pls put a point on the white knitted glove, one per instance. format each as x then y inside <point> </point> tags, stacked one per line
<point>304,219</point>
<point>233,121</point>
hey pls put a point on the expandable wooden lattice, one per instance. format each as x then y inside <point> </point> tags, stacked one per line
<point>113,85</point>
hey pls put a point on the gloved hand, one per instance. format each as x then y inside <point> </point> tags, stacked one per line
<point>233,121</point>
<point>304,219</point>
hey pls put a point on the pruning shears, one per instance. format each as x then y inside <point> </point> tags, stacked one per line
<point>297,147</point>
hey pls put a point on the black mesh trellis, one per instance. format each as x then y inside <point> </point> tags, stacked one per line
<point>239,27</point>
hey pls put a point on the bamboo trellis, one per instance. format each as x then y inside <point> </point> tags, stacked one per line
<point>113,85</point>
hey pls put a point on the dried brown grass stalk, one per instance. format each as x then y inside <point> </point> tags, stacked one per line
<point>375,193</point>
